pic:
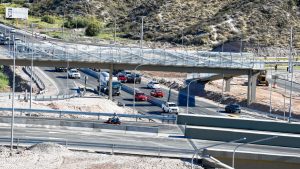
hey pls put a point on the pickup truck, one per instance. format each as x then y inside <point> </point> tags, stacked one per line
<point>170,107</point>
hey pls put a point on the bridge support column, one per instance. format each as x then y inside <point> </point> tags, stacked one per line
<point>227,84</point>
<point>251,93</point>
<point>111,69</point>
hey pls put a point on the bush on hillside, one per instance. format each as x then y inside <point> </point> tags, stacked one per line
<point>78,22</point>
<point>48,19</point>
<point>93,29</point>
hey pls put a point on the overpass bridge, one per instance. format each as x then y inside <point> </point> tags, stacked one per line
<point>51,54</point>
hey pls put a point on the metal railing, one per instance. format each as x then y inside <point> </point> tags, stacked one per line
<point>106,147</point>
<point>131,55</point>
<point>168,118</point>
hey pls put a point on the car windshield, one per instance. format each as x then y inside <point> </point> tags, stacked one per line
<point>140,94</point>
<point>158,91</point>
<point>235,105</point>
<point>116,84</point>
<point>74,71</point>
<point>172,105</point>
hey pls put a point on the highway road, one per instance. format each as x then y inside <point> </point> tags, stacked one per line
<point>201,106</point>
<point>60,79</point>
<point>94,139</point>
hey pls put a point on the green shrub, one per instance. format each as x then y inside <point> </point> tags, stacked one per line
<point>78,22</point>
<point>48,19</point>
<point>93,29</point>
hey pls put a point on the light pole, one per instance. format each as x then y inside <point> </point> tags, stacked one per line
<point>270,87</point>
<point>115,31</point>
<point>13,98</point>
<point>222,94</point>
<point>203,148</point>
<point>291,70</point>
<point>142,32</point>
<point>134,85</point>
<point>142,38</point>
<point>31,73</point>
<point>188,96</point>
<point>255,141</point>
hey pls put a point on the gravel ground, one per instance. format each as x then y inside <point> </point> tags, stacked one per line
<point>53,156</point>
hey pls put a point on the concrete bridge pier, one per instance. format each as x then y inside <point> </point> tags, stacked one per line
<point>227,84</point>
<point>251,92</point>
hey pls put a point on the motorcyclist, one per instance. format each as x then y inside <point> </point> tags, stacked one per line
<point>115,118</point>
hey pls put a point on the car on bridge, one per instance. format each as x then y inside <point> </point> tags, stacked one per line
<point>233,108</point>
<point>153,85</point>
<point>157,93</point>
<point>74,74</point>
<point>170,107</point>
<point>140,96</point>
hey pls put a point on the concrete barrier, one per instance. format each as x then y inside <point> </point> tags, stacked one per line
<point>226,135</point>
<point>249,124</point>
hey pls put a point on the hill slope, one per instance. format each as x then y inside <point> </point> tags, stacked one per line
<point>201,22</point>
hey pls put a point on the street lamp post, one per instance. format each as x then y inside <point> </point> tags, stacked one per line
<point>188,96</point>
<point>291,70</point>
<point>13,97</point>
<point>222,94</point>
<point>204,148</point>
<point>134,85</point>
<point>142,32</point>
<point>255,141</point>
<point>31,73</point>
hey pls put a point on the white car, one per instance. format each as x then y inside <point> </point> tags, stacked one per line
<point>73,73</point>
<point>12,30</point>
<point>170,107</point>
<point>153,85</point>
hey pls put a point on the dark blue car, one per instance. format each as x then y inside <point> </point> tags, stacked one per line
<point>233,108</point>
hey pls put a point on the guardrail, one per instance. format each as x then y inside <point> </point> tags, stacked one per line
<point>168,118</point>
<point>111,148</point>
<point>25,96</point>
<point>35,79</point>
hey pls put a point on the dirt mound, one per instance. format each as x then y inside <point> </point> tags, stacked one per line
<point>48,148</point>
<point>4,152</point>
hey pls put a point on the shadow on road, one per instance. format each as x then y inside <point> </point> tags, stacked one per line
<point>61,77</point>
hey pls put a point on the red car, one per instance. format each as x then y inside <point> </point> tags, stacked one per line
<point>140,96</point>
<point>157,93</point>
<point>122,78</point>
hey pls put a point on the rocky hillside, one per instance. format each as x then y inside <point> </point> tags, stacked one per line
<point>194,22</point>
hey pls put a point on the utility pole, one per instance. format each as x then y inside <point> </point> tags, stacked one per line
<point>30,102</point>
<point>115,29</point>
<point>13,98</point>
<point>291,70</point>
<point>142,33</point>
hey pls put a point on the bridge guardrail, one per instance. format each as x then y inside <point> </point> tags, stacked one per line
<point>171,118</point>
